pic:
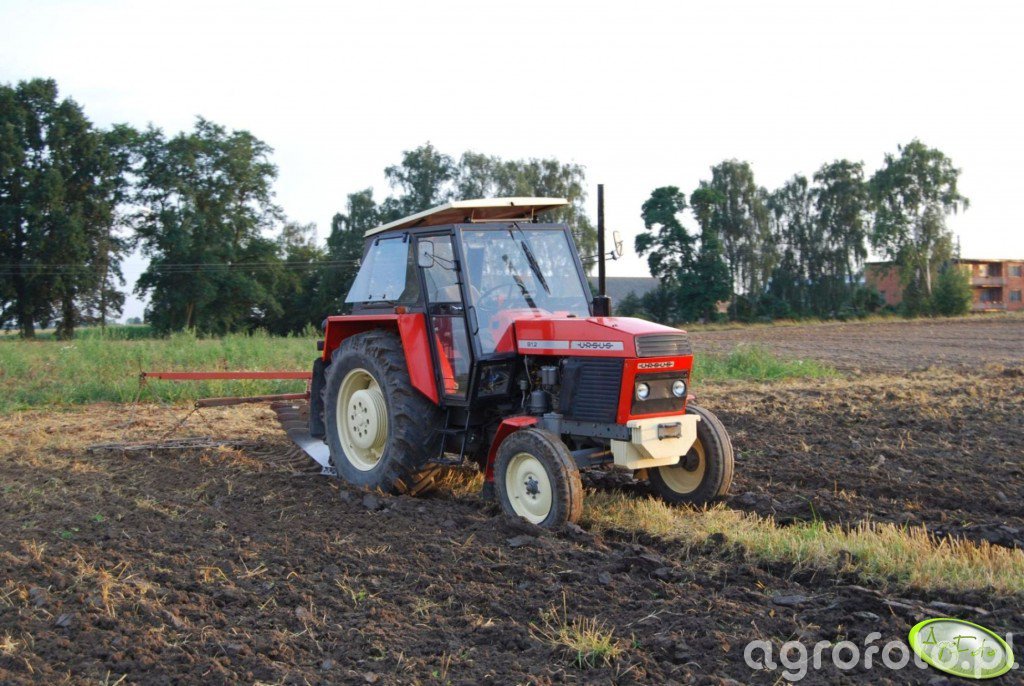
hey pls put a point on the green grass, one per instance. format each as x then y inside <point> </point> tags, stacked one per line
<point>878,553</point>
<point>753,363</point>
<point>113,332</point>
<point>104,366</point>
<point>585,640</point>
<point>94,368</point>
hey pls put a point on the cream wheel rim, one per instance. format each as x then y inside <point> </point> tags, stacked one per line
<point>683,480</point>
<point>362,419</point>
<point>528,487</point>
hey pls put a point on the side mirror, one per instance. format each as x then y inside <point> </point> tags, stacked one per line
<point>617,241</point>
<point>425,254</point>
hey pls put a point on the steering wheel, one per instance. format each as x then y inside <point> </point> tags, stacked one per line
<point>492,292</point>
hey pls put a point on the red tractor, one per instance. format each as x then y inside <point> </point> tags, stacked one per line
<point>474,337</point>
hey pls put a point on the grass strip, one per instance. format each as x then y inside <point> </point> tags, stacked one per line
<point>100,368</point>
<point>754,363</point>
<point>878,553</point>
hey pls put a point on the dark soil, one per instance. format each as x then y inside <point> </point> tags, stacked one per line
<point>943,450</point>
<point>226,564</point>
<point>218,566</point>
<point>888,346</point>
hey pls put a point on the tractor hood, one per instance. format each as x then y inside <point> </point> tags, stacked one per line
<point>598,337</point>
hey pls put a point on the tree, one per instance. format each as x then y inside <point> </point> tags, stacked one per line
<point>105,298</point>
<point>697,276</point>
<point>952,294</point>
<point>912,194</point>
<point>797,278</point>
<point>710,284</point>
<point>345,247</point>
<point>734,208</point>
<point>206,202</point>
<point>59,188</point>
<point>485,176</point>
<point>478,176</point>
<point>26,284</point>
<point>631,306</point>
<point>296,287</point>
<point>668,246</point>
<point>841,200</point>
<point>820,233</point>
<point>549,178</point>
<point>424,177</point>
<point>661,304</point>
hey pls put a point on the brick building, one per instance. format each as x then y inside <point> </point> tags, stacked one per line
<point>996,285</point>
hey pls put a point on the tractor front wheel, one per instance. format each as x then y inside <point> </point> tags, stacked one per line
<point>702,474</point>
<point>537,479</point>
<point>379,428</point>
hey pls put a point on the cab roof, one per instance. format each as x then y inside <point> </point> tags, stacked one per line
<point>481,209</point>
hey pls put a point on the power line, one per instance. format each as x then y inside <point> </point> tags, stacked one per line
<point>178,268</point>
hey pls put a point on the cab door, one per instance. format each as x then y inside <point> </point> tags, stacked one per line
<point>447,314</point>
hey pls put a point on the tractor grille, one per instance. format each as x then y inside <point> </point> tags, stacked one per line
<point>590,389</point>
<point>663,345</point>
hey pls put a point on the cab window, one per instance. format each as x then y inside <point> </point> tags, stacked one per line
<point>387,274</point>
<point>441,278</point>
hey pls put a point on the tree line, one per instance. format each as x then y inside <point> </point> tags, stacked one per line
<point>75,199</point>
<point>799,250</point>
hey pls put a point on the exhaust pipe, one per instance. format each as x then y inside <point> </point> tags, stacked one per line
<point>602,303</point>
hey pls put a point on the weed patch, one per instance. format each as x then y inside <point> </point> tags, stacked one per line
<point>754,363</point>
<point>585,639</point>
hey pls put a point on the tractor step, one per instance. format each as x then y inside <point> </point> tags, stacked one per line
<point>448,461</point>
<point>460,432</point>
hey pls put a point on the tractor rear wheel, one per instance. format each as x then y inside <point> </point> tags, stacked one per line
<point>379,428</point>
<point>702,474</point>
<point>537,479</point>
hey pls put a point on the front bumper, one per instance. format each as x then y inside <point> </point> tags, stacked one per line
<point>656,442</point>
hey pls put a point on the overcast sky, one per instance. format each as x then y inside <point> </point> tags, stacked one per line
<point>642,94</point>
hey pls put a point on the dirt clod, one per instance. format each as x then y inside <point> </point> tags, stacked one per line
<point>789,600</point>
<point>521,540</point>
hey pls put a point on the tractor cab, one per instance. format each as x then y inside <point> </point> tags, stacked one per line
<point>473,279</point>
<point>473,337</point>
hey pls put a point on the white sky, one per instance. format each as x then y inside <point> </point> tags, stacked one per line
<point>643,94</point>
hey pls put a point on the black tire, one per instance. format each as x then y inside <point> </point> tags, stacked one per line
<point>410,442</point>
<point>717,463</point>
<point>563,476</point>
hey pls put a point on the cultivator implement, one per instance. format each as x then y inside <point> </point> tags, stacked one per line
<point>291,409</point>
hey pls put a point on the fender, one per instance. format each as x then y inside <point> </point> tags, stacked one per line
<point>411,328</point>
<point>508,426</point>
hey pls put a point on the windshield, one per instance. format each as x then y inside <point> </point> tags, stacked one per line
<point>520,268</point>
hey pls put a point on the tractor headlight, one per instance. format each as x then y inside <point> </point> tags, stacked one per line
<point>679,388</point>
<point>642,391</point>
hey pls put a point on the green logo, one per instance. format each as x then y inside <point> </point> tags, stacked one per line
<point>961,648</point>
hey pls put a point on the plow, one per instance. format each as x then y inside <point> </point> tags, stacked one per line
<point>291,409</point>
<point>473,339</point>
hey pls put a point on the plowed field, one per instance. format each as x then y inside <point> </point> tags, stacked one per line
<point>226,563</point>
